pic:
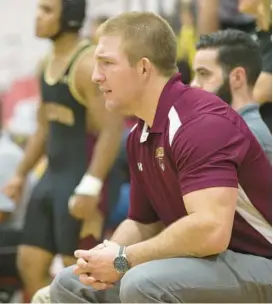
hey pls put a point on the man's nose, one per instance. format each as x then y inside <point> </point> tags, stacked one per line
<point>97,76</point>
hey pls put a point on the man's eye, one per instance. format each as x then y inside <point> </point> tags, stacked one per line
<point>107,62</point>
<point>203,73</point>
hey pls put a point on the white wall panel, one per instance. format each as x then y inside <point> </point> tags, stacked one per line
<point>20,50</point>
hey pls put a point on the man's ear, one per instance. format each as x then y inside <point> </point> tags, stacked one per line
<point>144,67</point>
<point>237,78</point>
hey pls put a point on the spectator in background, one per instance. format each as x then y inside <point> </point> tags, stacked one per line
<point>222,66</point>
<point>262,10</point>
<point>248,16</point>
<point>10,156</point>
<point>94,26</point>
<point>186,40</point>
<point>12,215</point>
<point>23,122</point>
<point>217,15</point>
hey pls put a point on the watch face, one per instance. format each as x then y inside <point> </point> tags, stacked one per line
<point>121,264</point>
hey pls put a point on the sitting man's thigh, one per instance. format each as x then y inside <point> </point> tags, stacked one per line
<point>193,280</point>
<point>66,288</point>
<point>228,277</point>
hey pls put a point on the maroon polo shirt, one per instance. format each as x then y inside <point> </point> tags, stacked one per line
<point>196,142</point>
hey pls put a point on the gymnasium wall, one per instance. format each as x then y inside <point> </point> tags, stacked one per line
<point>20,50</point>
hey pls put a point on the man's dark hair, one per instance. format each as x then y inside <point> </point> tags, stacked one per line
<point>236,49</point>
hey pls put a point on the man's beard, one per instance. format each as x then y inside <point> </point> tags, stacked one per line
<point>224,92</point>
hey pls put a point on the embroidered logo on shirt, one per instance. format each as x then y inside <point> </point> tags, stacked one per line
<point>140,166</point>
<point>159,155</point>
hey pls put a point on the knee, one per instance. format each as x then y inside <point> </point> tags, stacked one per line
<point>41,296</point>
<point>61,285</point>
<point>136,286</point>
<point>33,261</point>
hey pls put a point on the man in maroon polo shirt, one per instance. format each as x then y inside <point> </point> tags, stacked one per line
<point>199,225</point>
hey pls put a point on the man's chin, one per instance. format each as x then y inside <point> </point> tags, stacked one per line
<point>40,35</point>
<point>111,106</point>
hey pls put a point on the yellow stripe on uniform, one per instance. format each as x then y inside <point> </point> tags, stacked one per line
<point>72,78</point>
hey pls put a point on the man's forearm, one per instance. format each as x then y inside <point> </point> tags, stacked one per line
<point>130,232</point>
<point>34,151</point>
<point>189,236</point>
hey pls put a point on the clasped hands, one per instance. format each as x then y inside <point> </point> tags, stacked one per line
<point>95,266</point>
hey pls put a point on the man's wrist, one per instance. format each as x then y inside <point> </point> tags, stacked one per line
<point>130,255</point>
<point>121,262</point>
<point>89,185</point>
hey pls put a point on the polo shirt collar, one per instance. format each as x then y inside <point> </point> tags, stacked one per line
<point>167,98</point>
<point>248,108</point>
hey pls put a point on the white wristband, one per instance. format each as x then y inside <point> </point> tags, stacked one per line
<point>89,185</point>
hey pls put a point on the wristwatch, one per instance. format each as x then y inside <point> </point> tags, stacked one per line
<point>121,263</point>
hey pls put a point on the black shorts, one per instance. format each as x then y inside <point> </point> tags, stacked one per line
<point>48,224</point>
<point>9,241</point>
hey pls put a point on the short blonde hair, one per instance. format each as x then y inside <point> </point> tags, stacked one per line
<point>144,34</point>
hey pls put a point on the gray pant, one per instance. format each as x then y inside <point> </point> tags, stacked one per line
<point>229,277</point>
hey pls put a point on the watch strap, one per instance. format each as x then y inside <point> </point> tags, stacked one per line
<point>121,250</point>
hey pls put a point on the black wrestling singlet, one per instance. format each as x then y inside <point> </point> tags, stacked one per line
<point>66,147</point>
